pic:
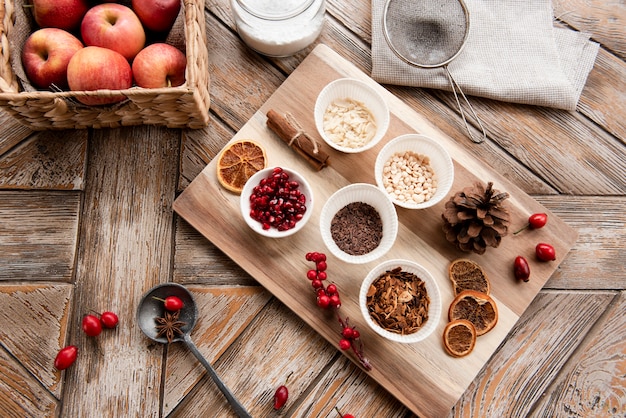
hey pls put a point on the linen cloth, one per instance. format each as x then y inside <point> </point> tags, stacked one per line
<point>512,53</point>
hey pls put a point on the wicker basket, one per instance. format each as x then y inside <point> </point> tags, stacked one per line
<point>186,106</point>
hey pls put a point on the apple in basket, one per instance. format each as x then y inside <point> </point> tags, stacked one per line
<point>95,68</point>
<point>61,14</point>
<point>157,15</point>
<point>113,26</point>
<point>159,65</point>
<point>46,55</point>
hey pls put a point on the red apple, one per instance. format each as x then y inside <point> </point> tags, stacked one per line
<point>46,54</point>
<point>113,26</point>
<point>95,68</point>
<point>157,15</point>
<point>159,65</point>
<point>61,14</point>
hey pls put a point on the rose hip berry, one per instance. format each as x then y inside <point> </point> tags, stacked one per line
<point>277,202</point>
<point>521,269</point>
<point>535,221</point>
<point>109,319</point>
<point>171,303</point>
<point>91,325</point>
<point>66,357</point>
<point>281,395</point>
<point>545,252</point>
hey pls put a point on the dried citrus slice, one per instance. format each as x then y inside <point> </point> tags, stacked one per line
<point>476,307</point>
<point>459,337</point>
<point>466,274</point>
<point>238,162</point>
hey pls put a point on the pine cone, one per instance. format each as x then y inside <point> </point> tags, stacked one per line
<point>475,218</point>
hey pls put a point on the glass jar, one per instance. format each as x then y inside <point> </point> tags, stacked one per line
<point>278,28</point>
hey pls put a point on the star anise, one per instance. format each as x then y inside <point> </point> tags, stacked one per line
<point>170,326</point>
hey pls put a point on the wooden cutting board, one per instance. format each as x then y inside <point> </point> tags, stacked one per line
<point>422,376</point>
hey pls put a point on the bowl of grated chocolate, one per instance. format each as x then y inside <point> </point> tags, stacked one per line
<point>415,171</point>
<point>400,301</point>
<point>358,223</point>
<point>350,115</point>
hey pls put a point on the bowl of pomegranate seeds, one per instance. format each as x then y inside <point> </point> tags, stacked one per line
<point>400,301</point>
<point>276,202</point>
<point>358,223</point>
<point>350,115</point>
<point>415,171</point>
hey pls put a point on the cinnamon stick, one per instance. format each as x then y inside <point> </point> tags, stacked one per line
<point>288,129</point>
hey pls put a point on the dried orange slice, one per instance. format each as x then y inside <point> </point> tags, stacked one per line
<point>459,337</point>
<point>466,274</point>
<point>238,162</point>
<point>476,307</point>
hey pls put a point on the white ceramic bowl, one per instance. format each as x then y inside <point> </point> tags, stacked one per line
<point>349,88</point>
<point>434,309</point>
<point>255,225</point>
<point>440,162</point>
<point>373,196</point>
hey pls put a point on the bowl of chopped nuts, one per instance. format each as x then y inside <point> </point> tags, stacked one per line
<point>415,171</point>
<point>358,223</point>
<point>350,115</point>
<point>400,301</point>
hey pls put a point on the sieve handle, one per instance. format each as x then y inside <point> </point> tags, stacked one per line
<point>455,87</point>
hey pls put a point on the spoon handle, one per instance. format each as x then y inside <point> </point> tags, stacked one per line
<point>237,406</point>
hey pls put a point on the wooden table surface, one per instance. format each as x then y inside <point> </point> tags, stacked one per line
<point>86,223</point>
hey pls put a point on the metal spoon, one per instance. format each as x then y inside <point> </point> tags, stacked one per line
<point>150,308</point>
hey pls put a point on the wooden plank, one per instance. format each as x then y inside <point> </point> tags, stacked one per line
<point>197,260</point>
<point>600,100</point>
<point>555,324</point>
<point>38,235</point>
<point>593,383</point>
<point>276,344</point>
<point>20,394</point>
<point>235,80</point>
<point>272,262</point>
<point>352,391</point>
<point>598,259</point>
<point>603,19</point>
<point>35,326</point>
<point>126,248</point>
<point>46,160</point>
<point>11,132</point>
<point>223,314</point>
<point>198,148</point>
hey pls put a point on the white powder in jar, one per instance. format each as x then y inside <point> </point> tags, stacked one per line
<point>279,28</point>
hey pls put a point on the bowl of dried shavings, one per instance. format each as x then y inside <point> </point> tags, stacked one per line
<point>400,301</point>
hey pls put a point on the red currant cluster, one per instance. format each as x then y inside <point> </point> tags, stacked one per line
<point>328,297</point>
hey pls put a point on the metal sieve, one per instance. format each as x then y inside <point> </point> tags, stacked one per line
<point>430,34</point>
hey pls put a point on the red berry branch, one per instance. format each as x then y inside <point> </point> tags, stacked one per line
<point>328,297</point>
